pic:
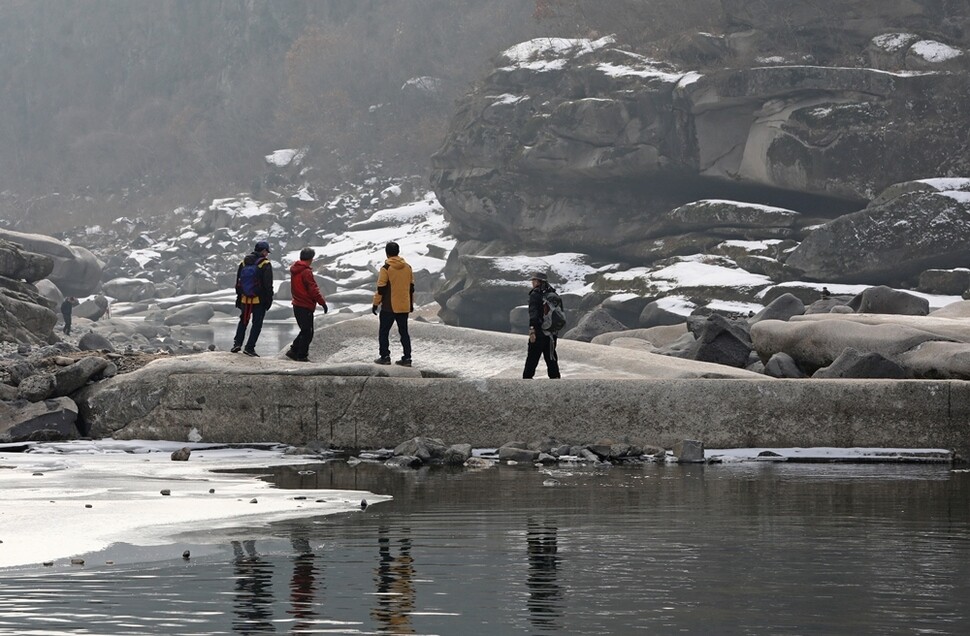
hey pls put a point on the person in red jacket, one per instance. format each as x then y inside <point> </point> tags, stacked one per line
<point>306,297</point>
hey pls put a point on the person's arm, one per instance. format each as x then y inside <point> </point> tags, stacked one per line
<point>411,271</point>
<point>382,283</point>
<point>268,283</point>
<point>313,289</point>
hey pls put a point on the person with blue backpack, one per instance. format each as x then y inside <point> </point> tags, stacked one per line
<point>546,320</point>
<point>254,296</point>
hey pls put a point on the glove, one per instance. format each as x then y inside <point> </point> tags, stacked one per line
<point>532,336</point>
<point>325,308</point>
<point>373,310</point>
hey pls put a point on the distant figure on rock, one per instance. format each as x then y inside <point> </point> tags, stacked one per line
<point>395,300</point>
<point>67,308</point>
<point>254,296</point>
<point>306,296</point>
<point>541,343</point>
<point>825,293</point>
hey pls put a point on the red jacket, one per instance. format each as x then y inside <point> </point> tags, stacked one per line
<point>303,286</point>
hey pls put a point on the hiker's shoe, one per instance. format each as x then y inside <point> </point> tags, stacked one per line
<point>235,349</point>
<point>404,362</point>
<point>251,353</point>
<point>303,359</point>
<point>383,360</point>
<point>292,356</point>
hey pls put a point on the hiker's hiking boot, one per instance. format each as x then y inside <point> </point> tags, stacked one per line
<point>303,359</point>
<point>404,362</point>
<point>235,349</point>
<point>251,353</point>
<point>383,360</point>
<point>292,356</point>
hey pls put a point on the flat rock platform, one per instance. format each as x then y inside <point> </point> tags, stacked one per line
<point>466,387</point>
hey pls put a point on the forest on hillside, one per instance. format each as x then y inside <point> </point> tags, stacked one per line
<point>132,107</point>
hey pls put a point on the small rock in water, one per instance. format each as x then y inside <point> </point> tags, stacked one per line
<point>253,500</point>
<point>182,454</point>
<point>212,490</point>
<point>363,504</point>
<point>185,555</point>
<point>77,561</point>
<point>88,506</point>
<point>48,564</point>
<point>38,475</point>
<point>550,482</point>
<point>166,491</point>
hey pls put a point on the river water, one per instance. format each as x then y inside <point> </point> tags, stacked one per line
<point>747,548</point>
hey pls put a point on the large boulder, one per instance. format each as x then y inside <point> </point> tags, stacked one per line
<point>76,271</point>
<point>129,289</point>
<point>562,127</point>
<point>47,420</point>
<point>911,227</point>
<point>20,264</point>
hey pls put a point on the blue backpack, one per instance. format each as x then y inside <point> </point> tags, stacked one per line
<point>250,279</point>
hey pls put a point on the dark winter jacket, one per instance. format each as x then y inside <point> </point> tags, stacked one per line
<point>265,296</point>
<point>304,287</point>
<point>536,309</point>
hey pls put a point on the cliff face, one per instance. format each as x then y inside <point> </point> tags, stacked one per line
<point>589,146</point>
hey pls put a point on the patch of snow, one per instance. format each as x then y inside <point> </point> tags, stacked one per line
<point>525,52</point>
<point>145,256</point>
<point>676,305</point>
<point>68,499</point>
<point>933,51</point>
<point>286,156</point>
<point>944,184</point>
<point>893,42</point>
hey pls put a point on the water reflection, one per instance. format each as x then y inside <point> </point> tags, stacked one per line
<point>303,585</point>
<point>395,583</point>
<point>545,593</point>
<point>253,603</point>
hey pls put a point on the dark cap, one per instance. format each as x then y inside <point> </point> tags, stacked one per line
<point>262,245</point>
<point>539,276</point>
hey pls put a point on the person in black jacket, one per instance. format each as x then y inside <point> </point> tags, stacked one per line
<point>67,309</point>
<point>253,303</point>
<point>541,344</point>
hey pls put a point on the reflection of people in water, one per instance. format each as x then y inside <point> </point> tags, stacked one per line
<point>253,604</point>
<point>545,594</point>
<point>302,585</point>
<point>395,584</point>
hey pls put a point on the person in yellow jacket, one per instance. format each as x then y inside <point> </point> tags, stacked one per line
<point>395,300</point>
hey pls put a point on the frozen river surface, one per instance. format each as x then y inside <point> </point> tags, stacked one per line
<point>735,548</point>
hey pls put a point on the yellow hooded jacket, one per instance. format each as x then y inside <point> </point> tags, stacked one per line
<point>395,286</point>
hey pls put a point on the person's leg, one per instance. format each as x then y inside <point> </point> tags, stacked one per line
<point>532,359</point>
<point>383,343</point>
<point>301,344</point>
<point>550,356</point>
<point>258,313</point>
<point>402,330</point>
<point>237,340</point>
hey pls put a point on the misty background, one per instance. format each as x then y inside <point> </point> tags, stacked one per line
<point>135,107</point>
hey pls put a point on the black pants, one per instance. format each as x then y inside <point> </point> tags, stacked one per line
<point>544,347</point>
<point>301,344</point>
<point>67,323</point>
<point>256,313</point>
<point>387,319</point>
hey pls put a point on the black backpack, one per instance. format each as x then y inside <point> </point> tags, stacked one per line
<point>553,314</point>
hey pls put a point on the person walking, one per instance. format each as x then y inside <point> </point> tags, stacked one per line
<point>254,296</point>
<point>541,343</point>
<point>67,310</point>
<point>306,296</point>
<point>395,300</point>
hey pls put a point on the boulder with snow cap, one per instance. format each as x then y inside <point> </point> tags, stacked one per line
<point>909,228</point>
